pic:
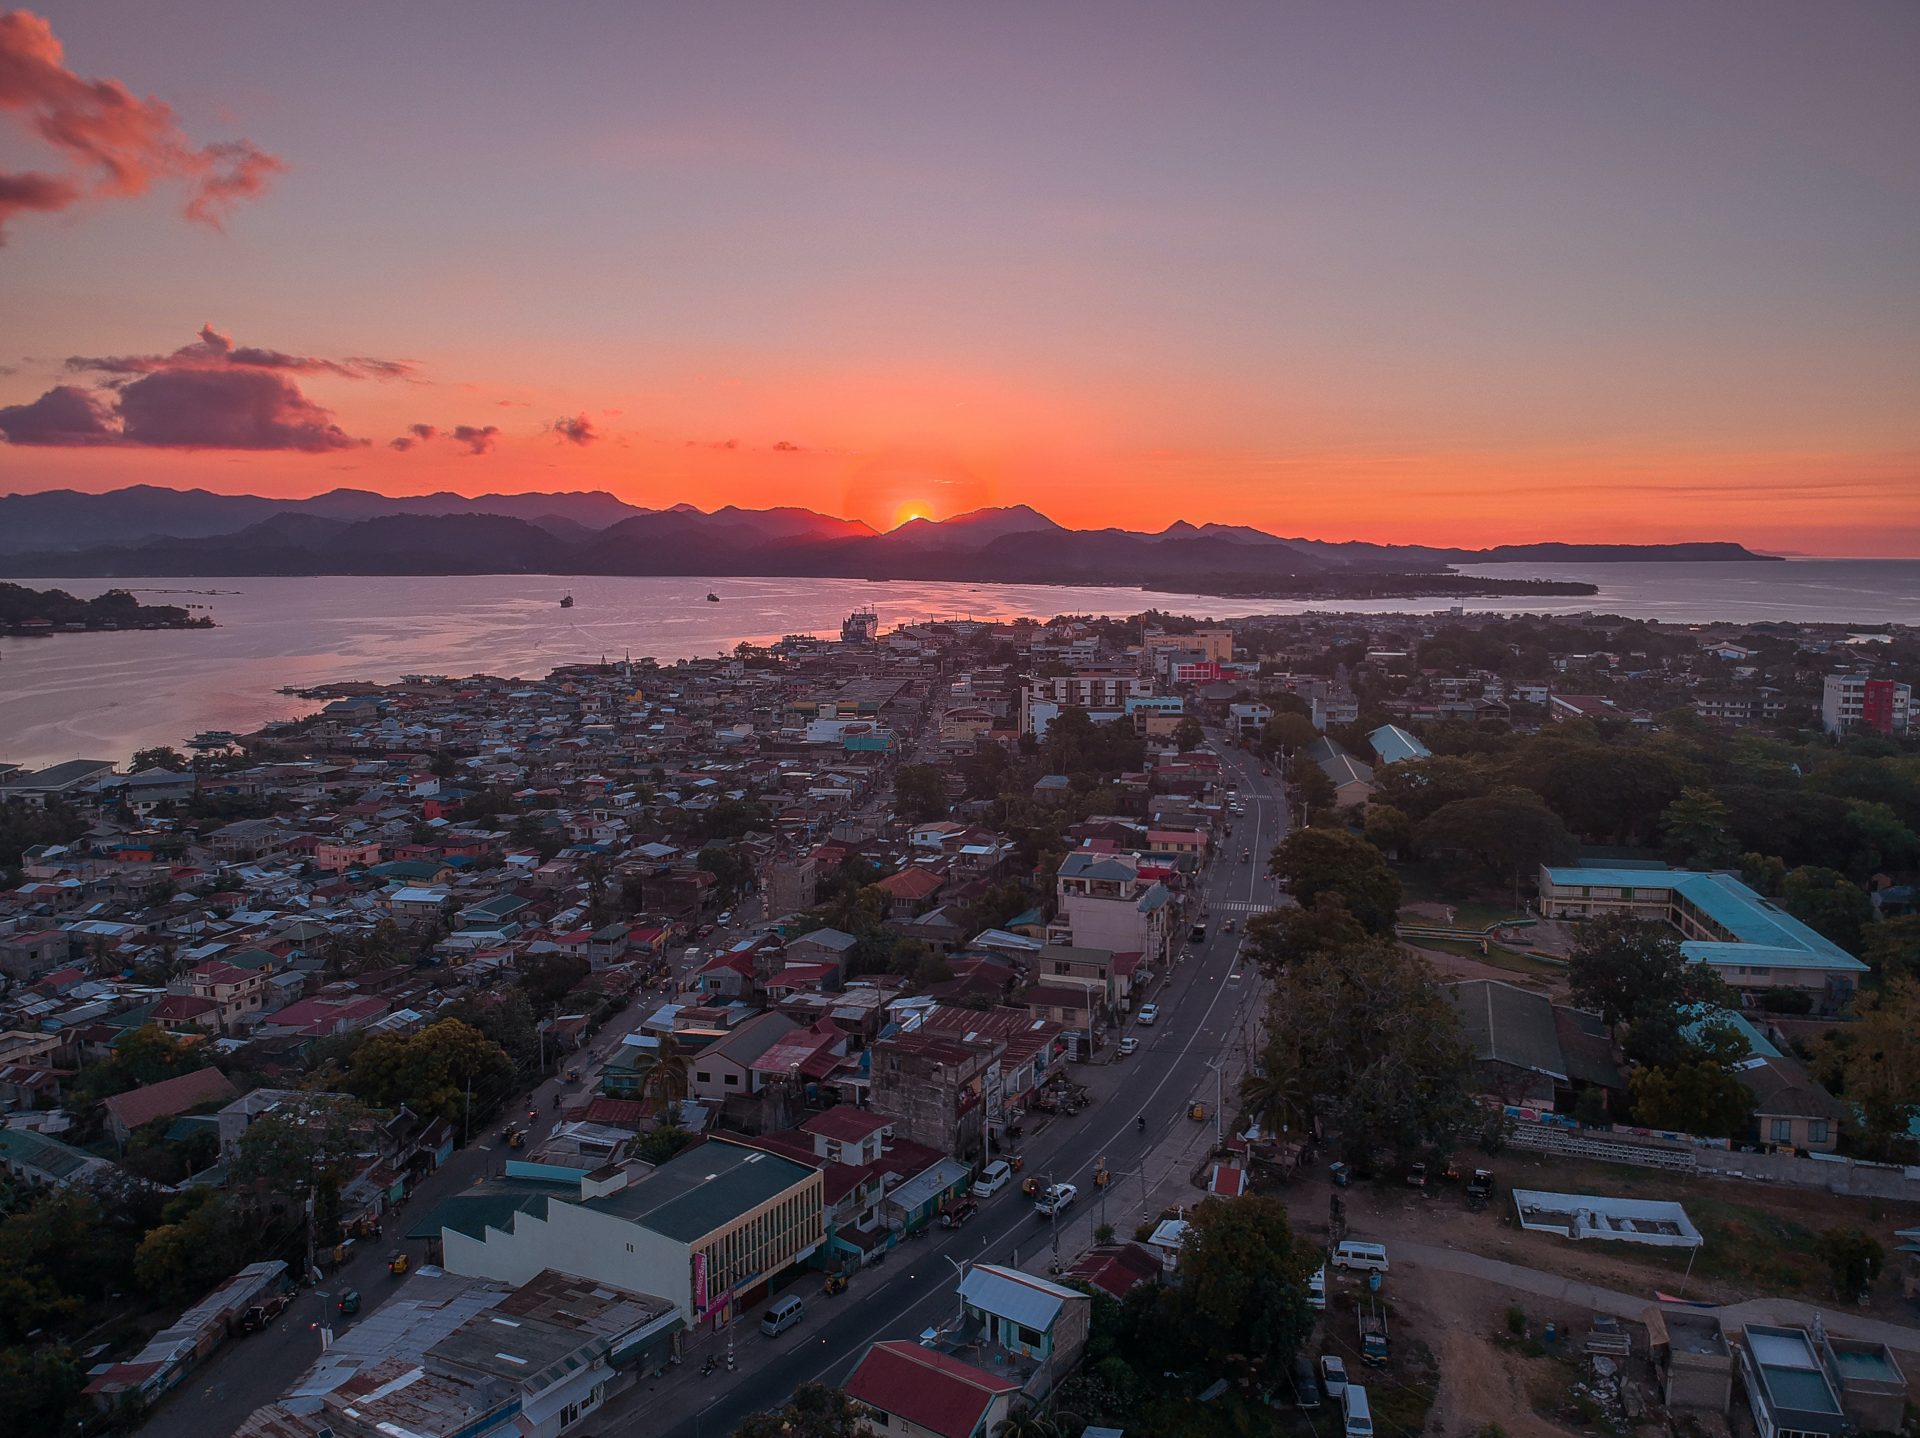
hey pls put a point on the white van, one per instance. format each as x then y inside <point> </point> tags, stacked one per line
<point>783,1313</point>
<point>1359,1422</point>
<point>1364,1256</point>
<point>994,1177</point>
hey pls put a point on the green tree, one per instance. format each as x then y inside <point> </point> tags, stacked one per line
<point>141,1056</point>
<point>920,792</point>
<point>1505,836</point>
<point>199,1243</point>
<point>1316,792</point>
<point>732,870</point>
<point>1853,1258</point>
<point>814,1411</point>
<point>1188,734</point>
<point>1881,839</point>
<point>306,1142</point>
<point>1698,1097</point>
<point>1242,1296</point>
<point>1892,947</point>
<point>1827,902</point>
<point>1876,1059</point>
<point>1286,733</point>
<point>669,1078</point>
<point>1325,928</point>
<point>160,757</point>
<point>1763,873</point>
<point>1695,831</point>
<point>1624,968</point>
<point>432,1071</point>
<point>1388,829</point>
<point>1377,1047</point>
<point>1312,862</point>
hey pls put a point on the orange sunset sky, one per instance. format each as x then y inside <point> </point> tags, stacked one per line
<point>1463,275</point>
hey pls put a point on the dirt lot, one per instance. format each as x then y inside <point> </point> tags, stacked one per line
<point>1454,1330</point>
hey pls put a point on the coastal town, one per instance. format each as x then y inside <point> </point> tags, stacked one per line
<point>916,1030</point>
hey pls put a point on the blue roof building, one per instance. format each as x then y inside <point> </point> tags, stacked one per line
<point>1752,942</point>
<point>1393,745</point>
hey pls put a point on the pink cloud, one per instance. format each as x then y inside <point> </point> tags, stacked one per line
<point>115,143</point>
<point>210,394</point>
<point>65,416</point>
<point>213,350</point>
<point>579,429</point>
<point>226,409</point>
<point>416,434</point>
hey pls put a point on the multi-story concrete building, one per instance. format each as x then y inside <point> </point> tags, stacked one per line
<point>1752,942</point>
<point>1105,903</point>
<point>708,1230</point>
<point>934,1087</point>
<point>1041,700</point>
<point>1855,701</point>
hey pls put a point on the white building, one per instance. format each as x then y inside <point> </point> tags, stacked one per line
<point>1850,702</point>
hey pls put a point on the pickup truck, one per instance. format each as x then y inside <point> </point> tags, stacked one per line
<point>1373,1330</point>
<point>264,1312</point>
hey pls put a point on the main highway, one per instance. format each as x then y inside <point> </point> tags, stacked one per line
<point>1200,1017</point>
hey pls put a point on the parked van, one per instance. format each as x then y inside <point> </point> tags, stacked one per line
<point>994,1177</point>
<point>783,1313</point>
<point>1359,1422</point>
<point>1364,1256</point>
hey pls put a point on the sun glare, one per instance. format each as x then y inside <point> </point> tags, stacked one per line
<point>910,511</point>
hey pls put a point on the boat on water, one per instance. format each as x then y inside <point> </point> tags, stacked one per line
<point>566,601</point>
<point>713,598</point>
<point>213,739</point>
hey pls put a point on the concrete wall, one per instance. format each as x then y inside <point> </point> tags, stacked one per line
<point>1835,1175</point>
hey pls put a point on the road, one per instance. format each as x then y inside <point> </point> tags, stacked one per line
<point>257,1368</point>
<point>1200,1019</point>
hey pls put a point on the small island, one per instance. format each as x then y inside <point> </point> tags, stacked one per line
<point>54,611</point>
<point>1365,585</point>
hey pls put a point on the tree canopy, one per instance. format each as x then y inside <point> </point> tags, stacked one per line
<point>1312,862</point>
<point>431,1071</point>
<point>1377,1047</point>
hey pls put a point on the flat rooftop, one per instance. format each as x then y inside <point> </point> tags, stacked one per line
<point>1791,1371</point>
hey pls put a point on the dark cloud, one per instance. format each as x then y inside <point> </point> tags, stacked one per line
<point>64,415</point>
<point>32,191</point>
<point>115,143</point>
<point>227,409</point>
<point>578,430</point>
<point>786,446</point>
<point>416,434</point>
<point>181,409</point>
<point>214,350</point>
<point>477,438</point>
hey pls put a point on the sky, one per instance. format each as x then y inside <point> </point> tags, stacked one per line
<point>1467,274</point>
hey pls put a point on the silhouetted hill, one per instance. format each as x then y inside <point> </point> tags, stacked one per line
<point>150,531</point>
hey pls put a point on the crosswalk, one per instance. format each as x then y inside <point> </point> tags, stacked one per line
<point>1238,907</point>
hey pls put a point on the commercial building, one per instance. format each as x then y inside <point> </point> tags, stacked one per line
<point>1752,942</point>
<point>455,1358</point>
<point>1106,903</point>
<point>934,1088</point>
<point>1851,702</point>
<point>709,1230</point>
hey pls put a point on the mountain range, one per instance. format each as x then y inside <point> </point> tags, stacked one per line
<point>151,531</point>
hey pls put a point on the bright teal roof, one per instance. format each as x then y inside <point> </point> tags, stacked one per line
<point>1764,935</point>
<point>1392,744</point>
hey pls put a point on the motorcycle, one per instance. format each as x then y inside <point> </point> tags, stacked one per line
<point>1141,1123</point>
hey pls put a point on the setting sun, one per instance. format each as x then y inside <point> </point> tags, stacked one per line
<point>911,511</point>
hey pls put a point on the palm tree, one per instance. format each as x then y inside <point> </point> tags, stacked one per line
<point>667,1079</point>
<point>1027,1421</point>
<point>1273,1093</point>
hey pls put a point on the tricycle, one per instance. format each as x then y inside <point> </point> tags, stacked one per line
<point>396,1263</point>
<point>836,1283</point>
<point>1198,1113</point>
<point>349,1303</point>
